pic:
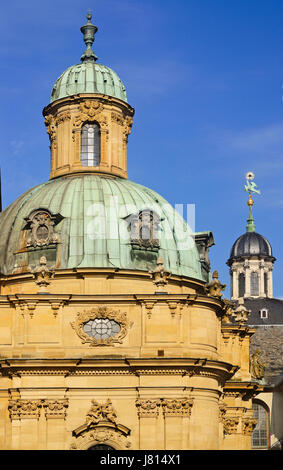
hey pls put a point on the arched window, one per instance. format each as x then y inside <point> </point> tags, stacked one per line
<point>101,447</point>
<point>260,436</point>
<point>241,285</point>
<point>90,144</point>
<point>254,283</point>
<point>265,284</point>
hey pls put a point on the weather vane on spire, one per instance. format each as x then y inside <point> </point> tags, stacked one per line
<point>89,31</point>
<point>251,188</point>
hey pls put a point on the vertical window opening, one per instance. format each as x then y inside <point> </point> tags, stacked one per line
<point>265,284</point>
<point>260,437</point>
<point>254,283</point>
<point>90,144</point>
<point>241,285</point>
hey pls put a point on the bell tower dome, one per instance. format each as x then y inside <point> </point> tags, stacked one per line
<point>88,119</point>
<point>251,259</point>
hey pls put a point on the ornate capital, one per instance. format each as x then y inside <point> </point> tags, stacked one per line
<point>55,408</point>
<point>231,424</point>
<point>248,425</point>
<point>21,409</point>
<point>148,408</point>
<point>177,407</point>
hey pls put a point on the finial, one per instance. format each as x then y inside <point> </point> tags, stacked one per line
<point>214,287</point>
<point>160,275</point>
<point>250,187</point>
<point>89,31</point>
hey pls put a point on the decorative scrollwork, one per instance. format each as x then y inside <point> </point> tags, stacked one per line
<point>40,224</point>
<point>103,313</point>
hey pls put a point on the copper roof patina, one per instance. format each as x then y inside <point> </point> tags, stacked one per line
<point>94,228</point>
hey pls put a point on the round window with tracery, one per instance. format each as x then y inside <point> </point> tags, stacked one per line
<point>101,328</point>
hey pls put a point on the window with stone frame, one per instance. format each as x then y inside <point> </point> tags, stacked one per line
<point>254,283</point>
<point>260,436</point>
<point>241,285</point>
<point>90,144</point>
<point>265,280</point>
<point>263,313</point>
<point>144,229</point>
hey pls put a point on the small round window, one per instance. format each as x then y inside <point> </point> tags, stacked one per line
<point>101,328</point>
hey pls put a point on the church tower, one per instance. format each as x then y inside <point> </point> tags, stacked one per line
<point>251,259</point>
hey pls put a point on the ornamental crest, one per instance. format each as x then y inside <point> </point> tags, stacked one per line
<point>101,326</point>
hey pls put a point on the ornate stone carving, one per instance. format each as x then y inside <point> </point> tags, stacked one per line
<point>21,409</point>
<point>42,274</point>
<point>63,117</point>
<point>149,304</point>
<point>51,127</point>
<point>257,367</point>
<point>118,118</point>
<point>177,407</point>
<point>248,425</point>
<point>231,424</point>
<point>128,122</point>
<point>228,310</point>
<point>148,408</point>
<point>91,108</point>
<point>222,411</point>
<point>113,438</point>
<point>41,224</point>
<point>98,412</point>
<point>101,313</point>
<point>55,408</point>
<point>240,313</point>
<point>214,288</point>
<point>160,275</point>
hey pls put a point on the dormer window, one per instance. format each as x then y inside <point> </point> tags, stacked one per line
<point>263,313</point>
<point>90,144</point>
<point>144,229</point>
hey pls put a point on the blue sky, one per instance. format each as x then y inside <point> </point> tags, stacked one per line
<point>205,78</point>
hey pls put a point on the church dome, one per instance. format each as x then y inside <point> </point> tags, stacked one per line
<point>88,77</point>
<point>89,223</point>
<point>250,244</point>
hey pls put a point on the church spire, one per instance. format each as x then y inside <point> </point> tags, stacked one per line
<point>250,187</point>
<point>89,31</point>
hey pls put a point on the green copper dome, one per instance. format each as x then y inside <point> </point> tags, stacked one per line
<point>91,228</point>
<point>88,77</point>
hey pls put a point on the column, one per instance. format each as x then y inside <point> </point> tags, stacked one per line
<point>24,415</point>
<point>55,414</point>
<point>148,413</point>
<point>176,422</point>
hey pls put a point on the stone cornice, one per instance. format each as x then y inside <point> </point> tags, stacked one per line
<point>245,390</point>
<point>110,366</point>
